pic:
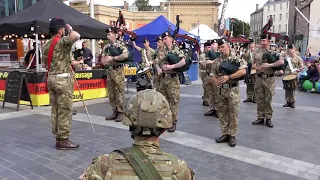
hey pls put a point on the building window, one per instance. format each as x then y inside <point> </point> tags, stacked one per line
<point>267,17</point>
<point>272,28</point>
<point>286,16</point>
<point>287,5</point>
<point>280,6</point>
<point>274,17</point>
<point>268,8</point>
<point>279,28</point>
<point>286,28</point>
<point>280,18</point>
<point>274,7</point>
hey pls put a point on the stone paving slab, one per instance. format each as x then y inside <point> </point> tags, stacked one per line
<point>43,161</point>
<point>293,135</point>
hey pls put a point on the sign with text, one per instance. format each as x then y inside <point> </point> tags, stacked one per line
<point>16,89</point>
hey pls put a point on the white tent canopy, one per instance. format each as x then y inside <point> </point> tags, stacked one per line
<point>205,33</point>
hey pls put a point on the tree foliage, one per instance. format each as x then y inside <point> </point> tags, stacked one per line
<point>143,5</point>
<point>238,28</point>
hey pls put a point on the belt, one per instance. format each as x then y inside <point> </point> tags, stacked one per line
<point>61,75</point>
<point>164,75</point>
<point>228,86</point>
<point>116,66</point>
<point>265,75</point>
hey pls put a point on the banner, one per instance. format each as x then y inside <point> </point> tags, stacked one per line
<point>222,19</point>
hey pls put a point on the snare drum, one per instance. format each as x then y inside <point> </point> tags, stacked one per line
<point>252,78</point>
<point>146,72</point>
<point>290,82</point>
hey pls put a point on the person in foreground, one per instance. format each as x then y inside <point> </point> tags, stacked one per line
<point>57,60</point>
<point>148,115</point>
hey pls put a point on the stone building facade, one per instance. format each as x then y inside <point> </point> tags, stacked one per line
<point>301,33</point>
<point>191,13</point>
<point>256,23</point>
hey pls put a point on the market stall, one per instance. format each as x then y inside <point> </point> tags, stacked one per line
<point>92,84</point>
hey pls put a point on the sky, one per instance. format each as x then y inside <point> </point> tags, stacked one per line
<point>240,9</point>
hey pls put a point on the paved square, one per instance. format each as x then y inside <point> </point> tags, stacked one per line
<point>288,151</point>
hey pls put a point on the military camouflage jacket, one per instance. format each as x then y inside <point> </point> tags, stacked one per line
<point>230,59</point>
<point>175,50</point>
<point>61,58</point>
<point>116,166</point>
<point>257,56</point>
<point>296,62</point>
<point>146,53</point>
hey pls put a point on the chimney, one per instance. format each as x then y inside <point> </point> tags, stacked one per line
<point>125,5</point>
<point>257,6</point>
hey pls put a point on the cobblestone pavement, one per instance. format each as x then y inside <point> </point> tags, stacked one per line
<point>288,151</point>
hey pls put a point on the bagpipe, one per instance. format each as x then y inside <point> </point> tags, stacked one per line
<point>186,45</point>
<point>228,68</point>
<point>270,57</point>
<point>267,27</point>
<point>120,24</point>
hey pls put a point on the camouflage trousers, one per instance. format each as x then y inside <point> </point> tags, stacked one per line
<point>156,82</point>
<point>213,90</point>
<point>250,90</point>
<point>264,91</point>
<point>116,86</point>
<point>206,89</point>
<point>170,88</point>
<point>60,94</point>
<point>290,96</point>
<point>228,106</point>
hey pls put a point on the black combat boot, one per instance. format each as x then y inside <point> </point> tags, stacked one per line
<point>113,116</point>
<point>254,100</point>
<point>292,105</point>
<point>205,103</point>
<point>223,138</point>
<point>269,123</point>
<point>120,116</point>
<point>288,104</point>
<point>248,100</point>
<point>232,141</point>
<point>259,121</point>
<point>172,128</point>
<point>74,112</point>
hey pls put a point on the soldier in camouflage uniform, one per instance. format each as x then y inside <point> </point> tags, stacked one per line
<point>147,53</point>
<point>169,80</point>
<point>213,54</point>
<point>159,53</point>
<point>229,93</point>
<point>265,82</point>
<point>60,83</point>
<point>250,87</point>
<point>147,114</point>
<point>206,80</point>
<point>115,54</point>
<point>297,63</point>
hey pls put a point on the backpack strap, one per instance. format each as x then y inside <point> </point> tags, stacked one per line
<point>140,163</point>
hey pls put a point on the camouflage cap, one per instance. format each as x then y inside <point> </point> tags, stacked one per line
<point>148,109</point>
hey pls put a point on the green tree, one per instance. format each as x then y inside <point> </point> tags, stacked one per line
<point>238,28</point>
<point>143,5</point>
